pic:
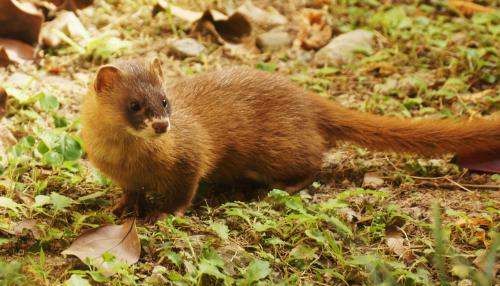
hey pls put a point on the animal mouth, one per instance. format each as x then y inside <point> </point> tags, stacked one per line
<point>160,126</point>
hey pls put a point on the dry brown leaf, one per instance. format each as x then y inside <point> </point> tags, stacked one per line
<point>71,5</point>
<point>120,240</point>
<point>482,162</point>
<point>29,225</point>
<point>3,102</point>
<point>395,241</point>
<point>314,31</point>
<point>468,8</point>
<point>20,21</point>
<point>20,25</point>
<point>14,51</point>
<point>233,29</point>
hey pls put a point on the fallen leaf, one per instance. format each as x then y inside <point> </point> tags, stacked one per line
<point>67,23</point>
<point>395,242</point>
<point>14,51</point>
<point>233,28</point>
<point>71,5</point>
<point>26,199</point>
<point>20,21</point>
<point>314,31</point>
<point>468,8</point>
<point>261,17</point>
<point>120,240</point>
<point>3,102</point>
<point>481,161</point>
<point>30,225</point>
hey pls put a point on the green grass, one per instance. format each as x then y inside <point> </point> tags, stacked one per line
<point>428,61</point>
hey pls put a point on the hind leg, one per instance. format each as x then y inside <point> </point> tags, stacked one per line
<point>301,170</point>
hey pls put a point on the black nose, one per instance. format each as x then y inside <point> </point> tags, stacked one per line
<point>160,126</point>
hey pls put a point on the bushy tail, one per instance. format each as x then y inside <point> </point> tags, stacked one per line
<point>427,137</point>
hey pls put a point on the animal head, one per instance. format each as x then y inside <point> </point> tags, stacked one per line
<point>133,93</point>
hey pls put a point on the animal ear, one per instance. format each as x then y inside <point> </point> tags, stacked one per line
<point>156,67</point>
<point>106,78</point>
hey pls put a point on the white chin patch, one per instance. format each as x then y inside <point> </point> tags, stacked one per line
<point>147,132</point>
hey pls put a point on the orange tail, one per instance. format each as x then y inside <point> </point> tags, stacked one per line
<point>425,137</point>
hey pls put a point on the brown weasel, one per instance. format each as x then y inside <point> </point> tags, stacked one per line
<point>158,142</point>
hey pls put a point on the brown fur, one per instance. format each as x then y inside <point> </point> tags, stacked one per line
<point>240,123</point>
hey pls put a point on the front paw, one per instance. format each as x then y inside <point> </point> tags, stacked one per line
<point>155,216</point>
<point>126,205</point>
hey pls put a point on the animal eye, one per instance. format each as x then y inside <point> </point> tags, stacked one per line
<point>135,106</point>
<point>164,103</point>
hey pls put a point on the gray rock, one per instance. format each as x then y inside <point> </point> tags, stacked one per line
<point>186,47</point>
<point>274,40</point>
<point>372,180</point>
<point>341,48</point>
<point>256,15</point>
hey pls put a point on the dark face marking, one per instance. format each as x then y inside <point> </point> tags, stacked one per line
<point>145,101</point>
<point>135,90</point>
<point>144,107</point>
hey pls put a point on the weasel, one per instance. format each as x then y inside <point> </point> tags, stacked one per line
<point>157,141</point>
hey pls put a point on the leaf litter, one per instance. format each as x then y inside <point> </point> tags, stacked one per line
<point>120,240</point>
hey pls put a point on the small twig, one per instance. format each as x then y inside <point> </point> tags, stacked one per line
<point>427,178</point>
<point>482,186</point>
<point>457,184</point>
<point>448,186</point>
<point>453,186</point>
